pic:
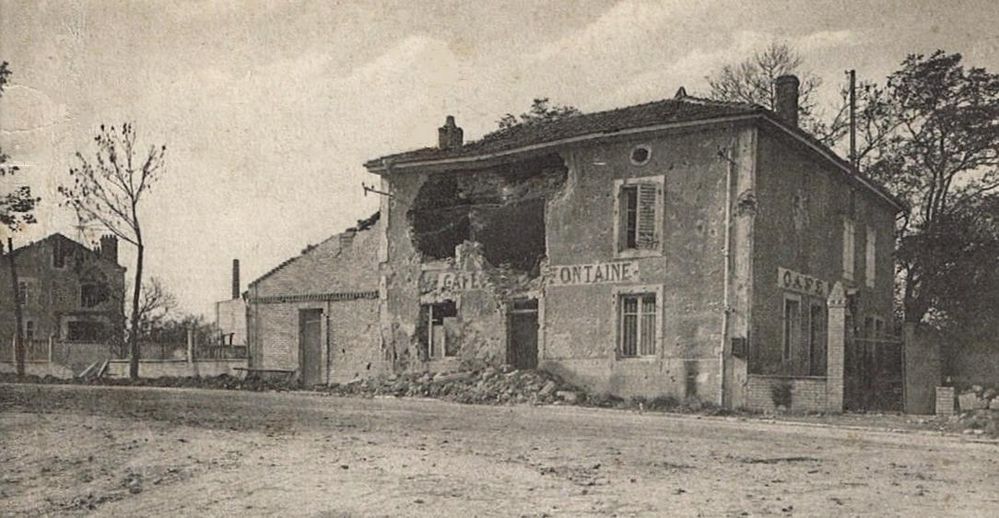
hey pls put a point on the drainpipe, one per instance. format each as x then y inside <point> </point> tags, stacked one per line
<point>726,310</point>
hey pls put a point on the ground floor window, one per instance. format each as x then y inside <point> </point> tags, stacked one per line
<point>438,330</point>
<point>29,330</point>
<point>792,325</point>
<point>874,327</point>
<point>84,331</point>
<point>637,324</point>
<point>817,339</point>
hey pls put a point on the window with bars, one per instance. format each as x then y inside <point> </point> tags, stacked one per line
<point>638,325</point>
<point>639,207</point>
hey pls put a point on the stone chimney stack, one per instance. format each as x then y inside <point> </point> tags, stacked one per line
<point>786,99</point>
<point>450,136</point>
<point>109,248</point>
<point>235,278</point>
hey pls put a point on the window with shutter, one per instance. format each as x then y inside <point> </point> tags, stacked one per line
<point>848,250</point>
<point>647,201</point>
<point>639,209</point>
<point>870,257</point>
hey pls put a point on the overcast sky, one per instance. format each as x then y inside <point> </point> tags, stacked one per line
<point>268,109</point>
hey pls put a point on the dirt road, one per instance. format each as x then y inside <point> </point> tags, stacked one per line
<point>72,450</point>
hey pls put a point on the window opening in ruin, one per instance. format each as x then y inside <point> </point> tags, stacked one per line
<point>438,330</point>
<point>638,325</point>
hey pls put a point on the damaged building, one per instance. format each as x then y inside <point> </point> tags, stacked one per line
<point>683,248</point>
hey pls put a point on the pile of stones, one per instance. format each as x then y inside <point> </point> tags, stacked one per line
<point>503,385</point>
<point>977,397</point>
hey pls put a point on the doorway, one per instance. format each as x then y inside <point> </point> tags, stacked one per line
<point>522,333</point>
<point>310,352</point>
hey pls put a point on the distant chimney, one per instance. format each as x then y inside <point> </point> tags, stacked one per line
<point>109,248</point>
<point>235,278</point>
<point>786,99</point>
<point>450,136</point>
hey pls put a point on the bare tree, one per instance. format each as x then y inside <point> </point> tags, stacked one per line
<point>107,190</point>
<point>155,304</point>
<point>752,81</point>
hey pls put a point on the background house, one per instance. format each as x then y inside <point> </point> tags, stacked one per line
<point>68,292</point>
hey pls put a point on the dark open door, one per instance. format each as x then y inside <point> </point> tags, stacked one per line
<point>522,350</point>
<point>310,354</point>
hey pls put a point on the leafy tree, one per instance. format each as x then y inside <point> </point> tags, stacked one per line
<point>107,190</point>
<point>17,207</point>
<point>541,111</point>
<point>934,142</point>
<point>752,81</point>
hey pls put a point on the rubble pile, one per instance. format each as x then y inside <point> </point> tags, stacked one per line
<point>485,386</point>
<point>977,397</point>
<point>222,382</point>
<point>979,410</point>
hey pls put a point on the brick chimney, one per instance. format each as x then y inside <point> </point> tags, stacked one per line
<point>235,278</point>
<point>109,248</point>
<point>786,99</point>
<point>450,136</point>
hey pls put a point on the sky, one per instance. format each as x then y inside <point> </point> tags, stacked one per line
<point>269,109</point>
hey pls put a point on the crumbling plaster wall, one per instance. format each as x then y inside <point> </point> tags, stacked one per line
<point>480,290</point>
<point>580,322</point>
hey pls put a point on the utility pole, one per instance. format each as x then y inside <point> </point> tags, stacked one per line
<point>18,317</point>
<point>853,117</point>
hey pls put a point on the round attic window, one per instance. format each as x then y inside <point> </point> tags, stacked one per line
<point>640,155</point>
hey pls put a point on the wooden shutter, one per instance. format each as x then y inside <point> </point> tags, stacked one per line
<point>648,199</point>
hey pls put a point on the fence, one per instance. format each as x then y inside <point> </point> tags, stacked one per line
<point>873,373</point>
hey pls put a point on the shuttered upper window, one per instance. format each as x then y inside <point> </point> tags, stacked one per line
<point>639,209</point>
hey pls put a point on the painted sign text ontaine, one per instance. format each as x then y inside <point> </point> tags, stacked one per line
<point>597,273</point>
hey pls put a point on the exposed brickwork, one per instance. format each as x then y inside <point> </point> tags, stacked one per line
<point>945,401</point>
